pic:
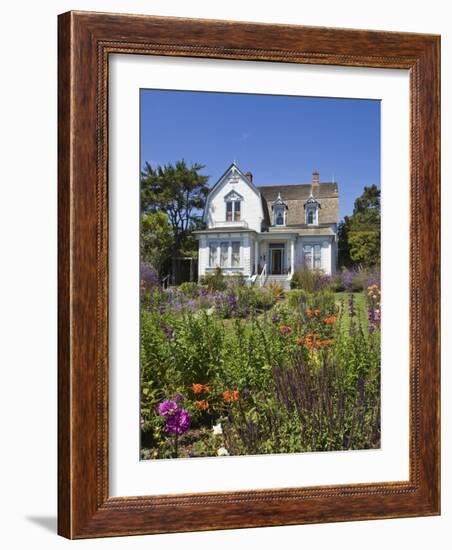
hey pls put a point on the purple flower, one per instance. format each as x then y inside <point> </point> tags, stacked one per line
<point>347,279</point>
<point>149,276</point>
<point>373,315</point>
<point>322,282</point>
<point>192,306</point>
<point>276,319</point>
<point>371,328</point>
<point>351,306</point>
<point>167,407</point>
<point>178,422</point>
<point>178,398</point>
<point>245,312</point>
<point>232,301</point>
<point>169,331</point>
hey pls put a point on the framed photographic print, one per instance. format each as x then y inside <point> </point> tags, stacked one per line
<point>248,275</point>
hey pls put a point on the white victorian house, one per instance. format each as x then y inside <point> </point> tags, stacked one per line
<point>268,232</point>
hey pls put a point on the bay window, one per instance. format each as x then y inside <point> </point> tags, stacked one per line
<point>235,257</point>
<point>213,254</point>
<point>312,256</point>
<point>224,254</point>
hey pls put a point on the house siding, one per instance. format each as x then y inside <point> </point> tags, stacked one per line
<point>253,227</point>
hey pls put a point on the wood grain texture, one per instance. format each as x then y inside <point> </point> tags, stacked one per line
<point>85,42</point>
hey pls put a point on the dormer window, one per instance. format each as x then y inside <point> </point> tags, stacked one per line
<point>233,207</point>
<point>279,208</point>
<point>311,215</point>
<point>312,211</point>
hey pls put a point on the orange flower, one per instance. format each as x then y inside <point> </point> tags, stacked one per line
<point>330,320</point>
<point>285,329</point>
<point>206,388</point>
<point>197,388</point>
<point>313,335</point>
<point>313,312</point>
<point>202,405</point>
<point>300,341</point>
<point>231,395</point>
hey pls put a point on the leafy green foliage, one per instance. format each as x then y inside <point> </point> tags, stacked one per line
<point>180,192</point>
<point>300,374</point>
<point>215,280</point>
<point>359,234</point>
<point>157,239</point>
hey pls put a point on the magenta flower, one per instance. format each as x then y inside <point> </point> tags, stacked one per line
<point>167,408</point>
<point>178,423</point>
<point>177,419</point>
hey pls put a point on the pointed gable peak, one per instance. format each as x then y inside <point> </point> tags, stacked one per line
<point>279,202</point>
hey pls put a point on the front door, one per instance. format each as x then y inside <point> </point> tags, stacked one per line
<point>277,261</point>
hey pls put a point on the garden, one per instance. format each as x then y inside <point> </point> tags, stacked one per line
<point>231,369</point>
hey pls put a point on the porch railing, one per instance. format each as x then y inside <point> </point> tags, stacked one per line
<point>263,276</point>
<point>165,281</point>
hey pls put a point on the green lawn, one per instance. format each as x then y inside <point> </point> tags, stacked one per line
<point>342,299</point>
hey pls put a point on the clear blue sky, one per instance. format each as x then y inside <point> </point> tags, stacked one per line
<point>280,139</point>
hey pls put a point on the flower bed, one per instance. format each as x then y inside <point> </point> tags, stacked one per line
<point>249,371</point>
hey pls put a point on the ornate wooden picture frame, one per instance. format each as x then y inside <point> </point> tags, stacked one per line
<point>86,41</point>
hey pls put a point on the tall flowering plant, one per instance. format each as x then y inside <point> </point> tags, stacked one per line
<point>177,420</point>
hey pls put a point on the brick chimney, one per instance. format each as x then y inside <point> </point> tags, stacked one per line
<point>249,175</point>
<point>315,178</point>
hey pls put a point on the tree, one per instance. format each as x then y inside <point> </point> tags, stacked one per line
<point>157,239</point>
<point>359,234</point>
<point>180,192</point>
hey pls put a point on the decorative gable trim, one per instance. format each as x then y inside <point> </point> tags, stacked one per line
<point>235,171</point>
<point>233,196</point>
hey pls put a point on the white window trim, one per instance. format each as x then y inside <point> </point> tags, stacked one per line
<point>276,211</point>
<point>233,200</point>
<point>315,209</point>
<point>312,247</point>
<point>217,245</point>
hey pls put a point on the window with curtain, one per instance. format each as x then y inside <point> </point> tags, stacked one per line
<point>233,210</point>
<point>307,251</point>
<point>317,257</point>
<point>224,253</point>
<point>213,254</point>
<point>313,256</point>
<point>235,254</point>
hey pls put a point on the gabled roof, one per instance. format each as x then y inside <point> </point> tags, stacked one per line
<point>298,191</point>
<point>234,166</point>
<point>279,202</point>
<point>312,200</point>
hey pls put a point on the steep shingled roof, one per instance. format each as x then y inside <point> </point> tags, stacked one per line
<point>296,196</point>
<point>298,191</point>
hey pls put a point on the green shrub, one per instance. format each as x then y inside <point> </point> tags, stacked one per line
<point>237,280</point>
<point>297,298</point>
<point>190,290</point>
<point>306,279</point>
<point>214,281</point>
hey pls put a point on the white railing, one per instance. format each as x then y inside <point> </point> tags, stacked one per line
<point>262,277</point>
<point>224,223</point>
